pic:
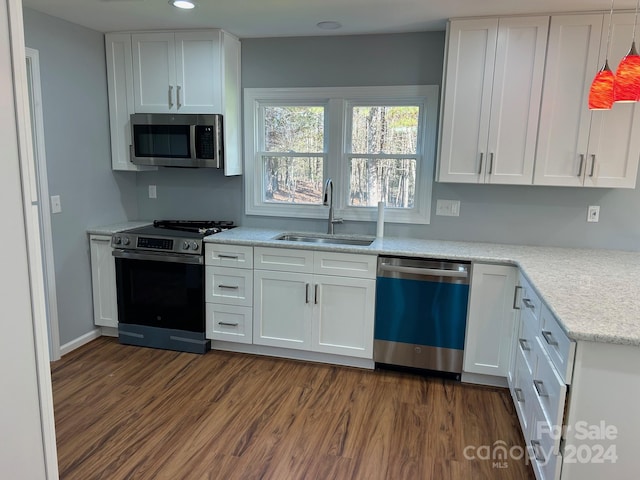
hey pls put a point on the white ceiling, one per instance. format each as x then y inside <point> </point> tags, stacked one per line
<point>269,18</point>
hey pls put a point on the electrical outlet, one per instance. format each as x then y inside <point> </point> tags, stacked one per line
<point>593,213</point>
<point>152,191</point>
<point>448,208</point>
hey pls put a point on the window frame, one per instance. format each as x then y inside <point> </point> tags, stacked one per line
<point>338,102</point>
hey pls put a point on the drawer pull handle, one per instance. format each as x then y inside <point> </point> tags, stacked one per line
<point>232,257</point>
<point>306,293</point>
<point>524,345</point>
<point>481,159</point>
<point>537,451</point>
<point>315,295</point>
<point>490,163</point>
<point>229,287</point>
<point>170,96</point>
<point>528,303</point>
<point>519,396</point>
<point>515,297</point>
<point>593,164</point>
<point>539,385</point>
<point>548,336</point>
<point>225,324</point>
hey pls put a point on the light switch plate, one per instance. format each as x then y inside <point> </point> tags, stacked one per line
<point>56,206</point>
<point>153,192</point>
<point>448,208</point>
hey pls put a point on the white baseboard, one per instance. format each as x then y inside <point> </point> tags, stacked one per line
<point>80,341</point>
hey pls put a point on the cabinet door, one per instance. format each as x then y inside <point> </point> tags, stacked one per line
<point>467,98</point>
<point>343,316</point>
<point>154,72</point>
<point>103,281</point>
<point>515,101</point>
<point>198,70</point>
<point>490,321</point>
<point>283,307</point>
<point>565,120</point>
<point>614,138</point>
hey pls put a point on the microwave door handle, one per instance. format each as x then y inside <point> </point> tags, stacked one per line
<point>192,137</point>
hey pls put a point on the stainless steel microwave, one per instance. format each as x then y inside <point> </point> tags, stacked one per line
<point>177,140</point>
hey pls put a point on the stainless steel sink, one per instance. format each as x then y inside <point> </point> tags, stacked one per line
<point>330,239</point>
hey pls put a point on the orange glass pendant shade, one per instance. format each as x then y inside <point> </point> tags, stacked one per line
<point>601,93</point>
<point>627,83</point>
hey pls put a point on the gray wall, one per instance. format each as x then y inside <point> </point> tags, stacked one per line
<point>507,214</point>
<point>76,123</point>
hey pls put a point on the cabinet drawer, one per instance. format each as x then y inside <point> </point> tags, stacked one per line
<point>543,447</point>
<point>231,286</point>
<point>549,387</point>
<point>558,346</point>
<point>526,340</point>
<point>283,259</point>
<point>529,299</point>
<point>229,323</point>
<point>345,264</point>
<point>523,395</point>
<point>228,255</point>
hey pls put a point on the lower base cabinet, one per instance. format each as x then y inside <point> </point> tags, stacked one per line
<point>491,320</point>
<point>103,282</point>
<point>296,307</point>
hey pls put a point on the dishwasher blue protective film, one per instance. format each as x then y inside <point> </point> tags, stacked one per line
<point>421,312</point>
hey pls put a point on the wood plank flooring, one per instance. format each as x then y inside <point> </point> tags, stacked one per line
<point>126,412</point>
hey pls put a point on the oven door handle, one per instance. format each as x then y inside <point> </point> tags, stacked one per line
<point>159,257</point>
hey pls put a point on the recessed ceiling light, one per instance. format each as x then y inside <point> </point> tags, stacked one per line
<point>185,4</point>
<point>329,25</point>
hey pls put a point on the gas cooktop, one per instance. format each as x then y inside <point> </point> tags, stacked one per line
<point>170,236</point>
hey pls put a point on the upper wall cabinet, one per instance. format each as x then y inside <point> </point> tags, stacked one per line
<point>174,72</point>
<point>177,73</point>
<point>577,147</point>
<point>493,83</point>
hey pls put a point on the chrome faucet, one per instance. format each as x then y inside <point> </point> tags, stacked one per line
<point>328,200</point>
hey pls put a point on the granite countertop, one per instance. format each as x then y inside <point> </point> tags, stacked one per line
<point>593,293</point>
<point>117,227</point>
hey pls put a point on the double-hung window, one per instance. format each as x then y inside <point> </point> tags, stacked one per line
<point>377,144</point>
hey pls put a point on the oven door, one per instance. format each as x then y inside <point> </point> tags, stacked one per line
<point>160,290</point>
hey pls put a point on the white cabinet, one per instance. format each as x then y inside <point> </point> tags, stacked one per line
<point>191,72</point>
<point>539,388</point>
<point>283,309</point>
<point>578,147</point>
<point>492,89</point>
<point>315,301</point>
<point>103,282</point>
<point>491,320</point>
<point>178,72</point>
<point>121,104</point>
<point>343,316</point>
<point>229,292</point>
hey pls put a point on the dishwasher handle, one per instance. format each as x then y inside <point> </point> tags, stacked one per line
<point>427,272</point>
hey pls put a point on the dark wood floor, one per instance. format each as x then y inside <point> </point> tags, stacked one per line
<point>127,412</point>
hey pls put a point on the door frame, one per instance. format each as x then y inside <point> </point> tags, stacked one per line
<point>32,231</point>
<point>42,185</point>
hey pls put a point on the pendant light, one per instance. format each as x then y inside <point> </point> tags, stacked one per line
<point>627,84</point>
<point>601,93</point>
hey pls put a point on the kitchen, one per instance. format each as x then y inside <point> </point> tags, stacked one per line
<point>503,214</point>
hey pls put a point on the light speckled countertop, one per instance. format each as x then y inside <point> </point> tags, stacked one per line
<point>593,293</point>
<point>117,227</point>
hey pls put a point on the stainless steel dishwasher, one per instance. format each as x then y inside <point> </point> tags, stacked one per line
<point>421,313</point>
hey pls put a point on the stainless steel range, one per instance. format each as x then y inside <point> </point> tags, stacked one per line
<point>160,284</point>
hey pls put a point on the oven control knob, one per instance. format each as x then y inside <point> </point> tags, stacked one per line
<point>126,241</point>
<point>186,245</point>
<point>194,245</point>
<point>117,240</point>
